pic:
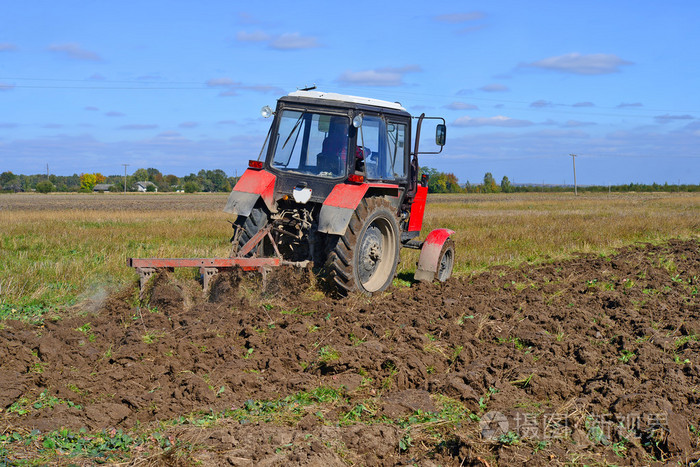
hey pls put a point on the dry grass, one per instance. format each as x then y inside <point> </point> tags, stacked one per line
<point>509,229</point>
<point>57,249</point>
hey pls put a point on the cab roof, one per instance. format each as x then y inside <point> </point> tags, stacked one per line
<point>332,96</point>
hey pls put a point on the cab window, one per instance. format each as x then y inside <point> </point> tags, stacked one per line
<point>382,146</point>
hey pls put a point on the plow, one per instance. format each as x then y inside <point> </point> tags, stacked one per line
<point>336,187</point>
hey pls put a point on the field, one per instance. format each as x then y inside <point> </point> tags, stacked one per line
<point>570,335</point>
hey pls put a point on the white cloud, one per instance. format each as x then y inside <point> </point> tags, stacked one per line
<point>293,41</point>
<point>232,87</point>
<point>461,106</point>
<point>138,126</point>
<point>286,41</point>
<point>255,36</point>
<point>6,86</point>
<point>92,108</point>
<point>188,125</point>
<point>632,104</point>
<point>225,82</point>
<point>584,104</point>
<point>459,17</point>
<point>7,125</point>
<point>669,118</point>
<point>591,64</point>
<point>74,51</point>
<point>494,88</point>
<point>541,103</point>
<point>7,47</point>
<point>114,113</point>
<point>576,123</point>
<point>388,76</point>
<point>498,120</point>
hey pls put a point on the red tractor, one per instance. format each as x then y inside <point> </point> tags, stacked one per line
<point>336,184</point>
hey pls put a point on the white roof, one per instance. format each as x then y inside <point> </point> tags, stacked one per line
<point>332,96</point>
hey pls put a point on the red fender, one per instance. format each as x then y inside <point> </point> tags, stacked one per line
<point>429,260</point>
<point>252,185</point>
<point>338,207</point>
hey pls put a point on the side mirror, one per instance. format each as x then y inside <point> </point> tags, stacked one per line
<point>440,134</point>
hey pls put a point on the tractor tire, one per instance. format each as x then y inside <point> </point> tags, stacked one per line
<point>446,262</point>
<point>249,226</point>
<point>364,259</point>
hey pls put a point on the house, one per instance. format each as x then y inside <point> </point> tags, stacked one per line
<point>143,186</point>
<point>102,187</point>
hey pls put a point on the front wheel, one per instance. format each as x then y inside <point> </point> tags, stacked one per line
<point>366,256</point>
<point>246,227</point>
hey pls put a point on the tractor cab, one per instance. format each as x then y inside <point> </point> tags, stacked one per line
<point>322,139</point>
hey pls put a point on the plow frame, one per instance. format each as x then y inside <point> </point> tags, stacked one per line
<point>210,267</point>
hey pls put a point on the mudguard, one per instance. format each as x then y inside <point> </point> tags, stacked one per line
<point>429,260</point>
<point>252,185</point>
<point>415,221</point>
<point>338,207</point>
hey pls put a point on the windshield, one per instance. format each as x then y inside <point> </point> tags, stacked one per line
<point>311,143</point>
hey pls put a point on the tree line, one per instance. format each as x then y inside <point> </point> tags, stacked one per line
<point>205,180</point>
<point>445,182</point>
<point>218,181</point>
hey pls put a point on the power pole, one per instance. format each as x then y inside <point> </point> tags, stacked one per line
<point>47,171</point>
<point>125,166</point>
<point>573,158</point>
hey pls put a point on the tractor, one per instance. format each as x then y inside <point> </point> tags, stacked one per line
<point>335,186</point>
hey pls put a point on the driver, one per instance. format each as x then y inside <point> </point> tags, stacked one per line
<point>335,146</point>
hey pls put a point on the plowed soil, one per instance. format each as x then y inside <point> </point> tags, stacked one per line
<point>593,359</point>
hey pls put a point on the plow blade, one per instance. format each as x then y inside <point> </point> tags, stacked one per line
<point>208,267</point>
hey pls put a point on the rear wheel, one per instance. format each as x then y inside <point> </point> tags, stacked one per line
<point>366,256</point>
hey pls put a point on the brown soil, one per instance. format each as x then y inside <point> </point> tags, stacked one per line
<point>587,360</point>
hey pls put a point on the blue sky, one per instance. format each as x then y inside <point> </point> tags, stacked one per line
<point>86,86</point>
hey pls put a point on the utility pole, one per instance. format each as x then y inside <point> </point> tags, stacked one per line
<point>47,171</point>
<point>125,166</point>
<point>573,158</point>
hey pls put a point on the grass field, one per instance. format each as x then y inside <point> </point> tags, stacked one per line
<point>58,249</point>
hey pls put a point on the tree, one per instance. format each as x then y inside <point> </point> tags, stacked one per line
<point>154,175</point>
<point>6,178</point>
<point>151,188</point>
<point>490,183</point>
<point>191,187</point>
<point>141,175</point>
<point>172,180</point>
<point>87,182</point>
<point>506,187</point>
<point>45,187</point>
<point>440,182</point>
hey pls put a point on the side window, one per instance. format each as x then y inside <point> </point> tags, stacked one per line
<point>396,141</point>
<point>384,148</point>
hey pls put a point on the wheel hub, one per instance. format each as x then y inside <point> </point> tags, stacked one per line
<point>370,253</point>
